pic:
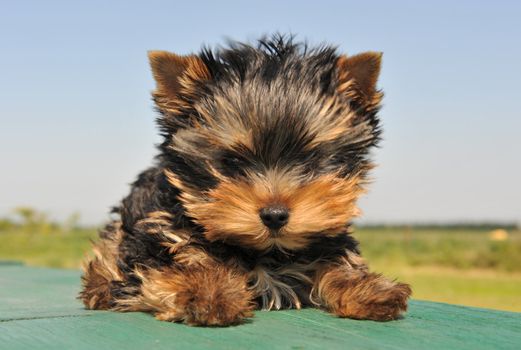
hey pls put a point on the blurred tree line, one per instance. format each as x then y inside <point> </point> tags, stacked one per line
<point>32,221</point>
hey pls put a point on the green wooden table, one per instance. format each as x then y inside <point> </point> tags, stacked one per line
<point>38,310</point>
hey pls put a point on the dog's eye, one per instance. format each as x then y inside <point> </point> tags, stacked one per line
<point>233,165</point>
<point>231,162</point>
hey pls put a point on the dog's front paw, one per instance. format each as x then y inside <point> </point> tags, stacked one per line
<point>373,297</point>
<point>207,297</point>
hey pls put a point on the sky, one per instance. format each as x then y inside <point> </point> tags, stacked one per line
<point>77,121</point>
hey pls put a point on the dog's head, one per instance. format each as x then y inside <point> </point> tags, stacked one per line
<point>268,145</point>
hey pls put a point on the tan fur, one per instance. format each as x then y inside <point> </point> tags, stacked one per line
<point>102,270</point>
<point>352,291</point>
<point>175,76</point>
<point>159,223</point>
<point>230,211</point>
<point>202,293</point>
<point>268,285</point>
<point>333,121</point>
<point>358,76</point>
<point>233,129</point>
<point>228,128</point>
<point>192,256</point>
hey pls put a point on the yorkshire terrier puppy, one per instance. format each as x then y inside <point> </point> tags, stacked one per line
<point>249,203</point>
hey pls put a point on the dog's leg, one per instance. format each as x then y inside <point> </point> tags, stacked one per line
<point>196,290</point>
<point>212,295</point>
<point>101,275</point>
<point>347,289</point>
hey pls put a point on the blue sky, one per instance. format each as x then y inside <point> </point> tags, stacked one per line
<point>77,122</point>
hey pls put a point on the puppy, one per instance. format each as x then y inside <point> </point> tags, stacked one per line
<point>248,206</point>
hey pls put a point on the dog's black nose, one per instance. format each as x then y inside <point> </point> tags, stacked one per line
<point>274,217</point>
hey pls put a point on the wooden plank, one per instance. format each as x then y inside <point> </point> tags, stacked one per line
<point>28,292</point>
<point>60,323</point>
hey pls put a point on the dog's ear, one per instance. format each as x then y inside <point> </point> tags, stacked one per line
<point>358,76</point>
<point>177,78</point>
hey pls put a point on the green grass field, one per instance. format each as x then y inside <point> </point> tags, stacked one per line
<point>449,265</point>
<point>453,266</point>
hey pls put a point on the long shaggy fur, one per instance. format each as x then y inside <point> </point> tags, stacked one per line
<point>248,128</point>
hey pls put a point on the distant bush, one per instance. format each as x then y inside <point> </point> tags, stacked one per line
<point>463,226</point>
<point>32,221</point>
<point>6,224</point>
<point>460,248</point>
<point>29,235</point>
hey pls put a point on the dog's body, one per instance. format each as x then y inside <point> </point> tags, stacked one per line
<point>265,153</point>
